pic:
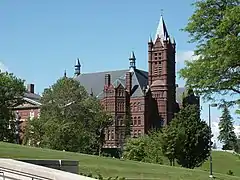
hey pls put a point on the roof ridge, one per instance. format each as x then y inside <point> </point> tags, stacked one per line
<point>105,71</point>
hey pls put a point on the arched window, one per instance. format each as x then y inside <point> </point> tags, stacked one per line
<point>135,121</point>
<point>139,121</point>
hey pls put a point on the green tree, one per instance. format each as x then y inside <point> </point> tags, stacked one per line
<point>237,148</point>
<point>144,148</point>
<point>11,95</point>
<point>33,132</point>
<point>214,27</point>
<point>187,138</point>
<point>101,120</point>
<point>153,148</point>
<point>169,143</point>
<point>227,135</point>
<point>71,119</point>
<point>134,149</point>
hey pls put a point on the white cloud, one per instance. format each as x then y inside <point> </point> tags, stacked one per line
<point>185,55</point>
<point>3,68</point>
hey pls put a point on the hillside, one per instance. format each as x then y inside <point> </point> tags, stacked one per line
<point>110,167</point>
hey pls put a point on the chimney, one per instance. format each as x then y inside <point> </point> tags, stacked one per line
<point>30,88</point>
<point>128,82</point>
<point>107,79</point>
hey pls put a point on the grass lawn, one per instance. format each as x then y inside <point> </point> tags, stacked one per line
<point>109,167</point>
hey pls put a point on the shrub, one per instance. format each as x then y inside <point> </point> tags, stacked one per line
<point>230,173</point>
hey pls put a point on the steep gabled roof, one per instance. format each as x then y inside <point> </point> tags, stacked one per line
<point>95,81</point>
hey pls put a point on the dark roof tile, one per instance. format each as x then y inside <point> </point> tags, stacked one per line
<point>95,82</point>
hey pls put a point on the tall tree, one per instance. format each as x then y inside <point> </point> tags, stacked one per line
<point>187,138</point>
<point>215,28</point>
<point>11,95</point>
<point>169,143</point>
<point>237,148</point>
<point>71,119</point>
<point>227,135</point>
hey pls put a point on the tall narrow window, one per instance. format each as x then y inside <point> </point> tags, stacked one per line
<point>160,67</point>
<point>155,68</point>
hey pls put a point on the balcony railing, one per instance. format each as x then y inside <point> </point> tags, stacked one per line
<point>6,174</point>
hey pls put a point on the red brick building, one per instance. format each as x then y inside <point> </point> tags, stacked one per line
<point>29,109</point>
<point>152,96</point>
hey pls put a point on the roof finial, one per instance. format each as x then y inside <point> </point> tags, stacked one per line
<point>77,67</point>
<point>132,60</point>
<point>161,12</point>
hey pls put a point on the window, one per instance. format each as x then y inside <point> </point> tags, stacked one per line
<point>160,67</point>
<point>135,121</point>
<point>155,54</point>
<point>139,132</point>
<point>139,106</point>
<point>109,135</point>
<point>31,114</point>
<point>135,133</point>
<point>121,122</point>
<point>135,107</point>
<point>112,136</point>
<point>139,121</point>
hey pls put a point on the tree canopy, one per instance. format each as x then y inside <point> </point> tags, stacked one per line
<point>11,95</point>
<point>215,28</point>
<point>144,148</point>
<point>226,134</point>
<point>187,138</point>
<point>71,119</point>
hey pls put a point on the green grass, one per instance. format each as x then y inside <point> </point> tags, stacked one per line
<point>109,167</point>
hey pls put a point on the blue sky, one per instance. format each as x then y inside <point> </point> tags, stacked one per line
<point>40,39</point>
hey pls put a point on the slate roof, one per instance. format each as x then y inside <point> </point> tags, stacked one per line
<point>94,82</point>
<point>32,96</point>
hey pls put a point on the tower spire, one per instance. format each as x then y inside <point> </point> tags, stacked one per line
<point>77,67</point>
<point>161,32</point>
<point>132,60</point>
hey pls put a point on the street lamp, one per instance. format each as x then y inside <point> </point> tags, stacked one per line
<point>210,136</point>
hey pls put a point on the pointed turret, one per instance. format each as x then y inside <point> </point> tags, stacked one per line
<point>132,60</point>
<point>173,41</point>
<point>77,68</point>
<point>150,39</point>
<point>65,73</point>
<point>161,30</point>
<point>150,43</point>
